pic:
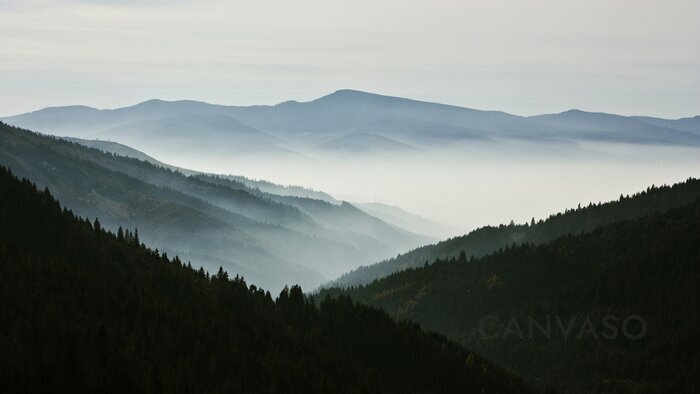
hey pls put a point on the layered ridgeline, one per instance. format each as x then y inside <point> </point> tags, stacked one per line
<point>214,221</point>
<point>489,239</point>
<point>387,213</point>
<point>346,121</point>
<point>261,185</point>
<point>406,220</point>
<point>612,310</point>
<point>85,310</point>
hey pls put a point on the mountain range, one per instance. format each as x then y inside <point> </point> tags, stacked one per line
<point>88,241</point>
<point>344,122</point>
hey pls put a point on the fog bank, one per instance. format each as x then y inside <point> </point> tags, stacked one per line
<point>467,188</point>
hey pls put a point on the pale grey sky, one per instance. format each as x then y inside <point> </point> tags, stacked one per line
<point>523,57</point>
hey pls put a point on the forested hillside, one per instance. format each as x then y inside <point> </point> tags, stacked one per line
<point>85,310</point>
<point>612,310</point>
<point>489,239</point>
<point>271,239</point>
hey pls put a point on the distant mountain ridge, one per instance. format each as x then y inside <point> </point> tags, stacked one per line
<point>349,120</point>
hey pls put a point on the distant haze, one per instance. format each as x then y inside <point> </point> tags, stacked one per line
<point>458,166</point>
<point>522,57</point>
<point>469,190</point>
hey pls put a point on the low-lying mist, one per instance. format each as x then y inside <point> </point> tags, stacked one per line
<point>474,184</point>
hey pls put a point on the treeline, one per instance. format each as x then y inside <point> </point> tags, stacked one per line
<point>621,303</point>
<point>86,310</point>
<point>488,239</point>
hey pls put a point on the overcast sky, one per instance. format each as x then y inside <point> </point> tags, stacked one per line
<point>523,57</point>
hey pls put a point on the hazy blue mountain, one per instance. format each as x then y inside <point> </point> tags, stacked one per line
<point>347,110</point>
<point>685,124</point>
<point>346,120</point>
<point>362,142</point>
<point>211,134</point>
<point>614,128</point>
<point>214,221</point>
<point>82,121</point>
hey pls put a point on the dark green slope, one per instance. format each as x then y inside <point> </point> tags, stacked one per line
<point>647,267</point>
<point>489,239</point>
<point>84,310</point>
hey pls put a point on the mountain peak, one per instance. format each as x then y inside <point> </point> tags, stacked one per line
<point>579,113</point>
<point>166,105</point>
<point>349,93</point>
<point>347,96</point>
<point>152,101</point>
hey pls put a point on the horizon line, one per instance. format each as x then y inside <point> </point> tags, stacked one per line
<point>336,92</point>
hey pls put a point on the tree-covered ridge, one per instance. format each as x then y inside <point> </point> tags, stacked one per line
<point>489,239</point>
<point>642,269</point>
<point>271,240</point>
<point>86,310</point>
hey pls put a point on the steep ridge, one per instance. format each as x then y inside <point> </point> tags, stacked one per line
<point>84,310</point>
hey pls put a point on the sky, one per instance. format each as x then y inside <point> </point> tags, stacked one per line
<point>632,57</point>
